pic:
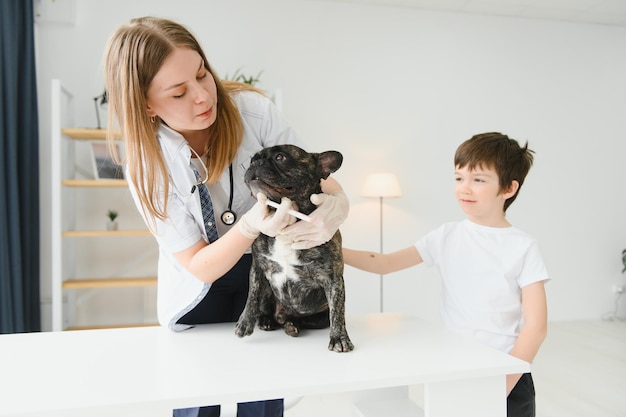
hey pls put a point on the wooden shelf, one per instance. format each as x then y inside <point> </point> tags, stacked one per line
<point>101,233</point>
<point>94,183</point>
<point>112,326</point>
<point>84,283</point>
<point>88,134</point>
<point>73,183</point>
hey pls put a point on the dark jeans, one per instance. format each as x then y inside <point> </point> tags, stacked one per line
<point>521,400</point>
<point>226,299</point>
<point>224,303</point>
<point>269,408</point>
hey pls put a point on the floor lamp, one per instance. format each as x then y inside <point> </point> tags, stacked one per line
<point>381,185</point>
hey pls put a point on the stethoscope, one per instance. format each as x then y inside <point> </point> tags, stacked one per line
<point>228,217</point>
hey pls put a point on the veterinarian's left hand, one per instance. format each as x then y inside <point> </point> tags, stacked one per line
<point>332,210</point>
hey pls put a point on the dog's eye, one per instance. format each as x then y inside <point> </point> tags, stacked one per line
<point>280,157</point>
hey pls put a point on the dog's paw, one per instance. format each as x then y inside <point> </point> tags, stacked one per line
<point>267,323</point>
<point>281,317</point>
<point>340,343</point>
<point>291,329</point>
<point>244,327</point>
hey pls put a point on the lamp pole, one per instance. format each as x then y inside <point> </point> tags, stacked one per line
<point>380,279</point>
<point>381,185</point>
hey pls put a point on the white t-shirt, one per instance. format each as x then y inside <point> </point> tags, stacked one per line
<point>263,126</point>
<point>483,270</point>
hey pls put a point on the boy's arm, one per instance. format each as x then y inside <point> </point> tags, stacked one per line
<point>532,335</point>
<point>382,263</point>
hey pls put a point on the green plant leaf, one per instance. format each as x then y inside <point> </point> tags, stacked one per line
<point>112,215</point>
<point>242,78</point>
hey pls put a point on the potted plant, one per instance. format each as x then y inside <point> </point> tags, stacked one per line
<point>242,78</point>
<point>112,224</point>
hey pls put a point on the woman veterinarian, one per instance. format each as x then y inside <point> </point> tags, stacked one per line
<point>189,138</point>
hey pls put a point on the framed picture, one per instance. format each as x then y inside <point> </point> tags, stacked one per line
<point>104,168</point>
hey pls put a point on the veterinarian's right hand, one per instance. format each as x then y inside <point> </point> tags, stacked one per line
<point>259,219</point>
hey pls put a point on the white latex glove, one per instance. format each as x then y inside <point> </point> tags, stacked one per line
<point>259,219</point>
<point>332,210</point>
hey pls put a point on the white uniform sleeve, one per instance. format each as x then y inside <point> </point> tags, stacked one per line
<point>264,121</point>
<point>179,231</point>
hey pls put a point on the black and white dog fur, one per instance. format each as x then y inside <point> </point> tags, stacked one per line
<point>295,289</point>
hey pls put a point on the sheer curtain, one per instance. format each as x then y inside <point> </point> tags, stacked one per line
<point>19,171</point>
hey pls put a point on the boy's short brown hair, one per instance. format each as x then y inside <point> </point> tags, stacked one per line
<point>496,151</point>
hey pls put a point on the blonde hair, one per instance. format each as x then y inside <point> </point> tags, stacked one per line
<point>133,56</point>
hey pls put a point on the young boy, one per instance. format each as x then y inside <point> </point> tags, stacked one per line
<point>493,274</point>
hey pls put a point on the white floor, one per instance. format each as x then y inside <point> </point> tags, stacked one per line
<point>580,371</point>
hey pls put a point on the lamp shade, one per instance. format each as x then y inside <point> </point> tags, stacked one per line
<point>384,184</point>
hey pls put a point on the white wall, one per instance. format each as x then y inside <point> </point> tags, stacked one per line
<point>399,89</point>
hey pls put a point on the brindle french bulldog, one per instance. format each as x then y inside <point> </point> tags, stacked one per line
<point>295,289</point>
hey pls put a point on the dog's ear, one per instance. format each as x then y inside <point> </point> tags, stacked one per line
<point>329,162</point>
